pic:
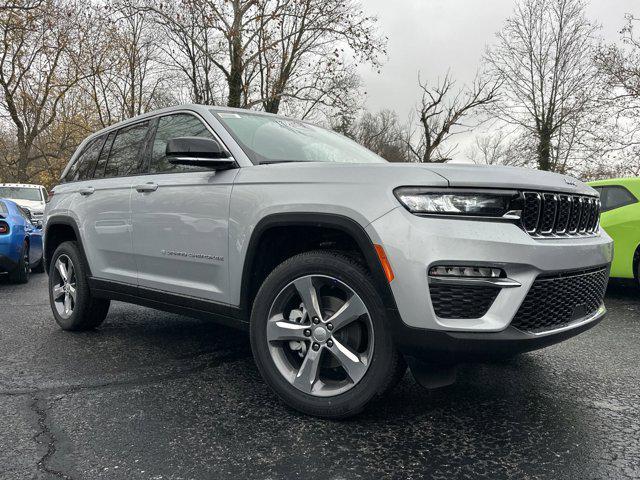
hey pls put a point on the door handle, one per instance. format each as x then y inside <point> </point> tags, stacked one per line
<point>86,190</point>
<point>147,187</point>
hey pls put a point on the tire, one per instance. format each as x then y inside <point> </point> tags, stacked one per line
<point>39,268</point>
<point>85,312</point>
<point>22,271</point>
<point>336,278</point>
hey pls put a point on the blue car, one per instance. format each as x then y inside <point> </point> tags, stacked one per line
<point>20,243</point>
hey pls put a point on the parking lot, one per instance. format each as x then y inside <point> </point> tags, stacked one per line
<point>154,395</point>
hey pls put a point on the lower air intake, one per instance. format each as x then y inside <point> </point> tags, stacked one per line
<point>559,299</point>
<point>462,301</point>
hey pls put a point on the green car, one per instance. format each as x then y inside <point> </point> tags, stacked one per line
<point>620,218</point>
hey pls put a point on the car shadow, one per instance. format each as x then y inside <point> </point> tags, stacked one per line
<point>623,289</point>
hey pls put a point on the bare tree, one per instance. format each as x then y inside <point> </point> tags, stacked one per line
<point>440,115</point>
<point>267,52</point>
<point>303,55</point>
<point>191,46</point>
<point>544,59</point>
<point>20,5</point>
<point>125,77</point>
<point>380,132</point>
<point>39,65</point>
<point>619,66</point>
<point>502,148</point>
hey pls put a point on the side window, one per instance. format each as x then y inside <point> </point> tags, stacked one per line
<point>83,167</point>
<point>124,155</point>
<point>45,195</point>
<point>613,197</point>
<point>3,209</point>
<point>173,126</point>
<point>104,155</point>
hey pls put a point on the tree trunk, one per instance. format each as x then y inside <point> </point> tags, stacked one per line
<point>235,87</point>
<point>544,149</point>
<point>234,79</point>
<point>22,175</point>
<point>272,105</point>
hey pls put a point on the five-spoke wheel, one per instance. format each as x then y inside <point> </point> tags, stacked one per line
<point>64,286</point>
<point>72,302</point>
<point>320,335</point>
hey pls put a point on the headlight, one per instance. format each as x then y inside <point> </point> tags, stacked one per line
<point>423,201</point>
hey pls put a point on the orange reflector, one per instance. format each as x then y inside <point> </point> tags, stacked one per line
<point>384,261</point>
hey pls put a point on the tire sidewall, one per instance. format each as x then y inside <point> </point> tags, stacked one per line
<point>82,291</point>
<point>22,272</point>
<point>370,385</point>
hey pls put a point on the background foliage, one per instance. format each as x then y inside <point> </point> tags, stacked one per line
<point>549,92</point>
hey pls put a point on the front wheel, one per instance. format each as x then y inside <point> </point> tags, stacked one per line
<point>319,337</point>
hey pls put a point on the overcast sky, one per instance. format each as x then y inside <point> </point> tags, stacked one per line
<point>432,36</point>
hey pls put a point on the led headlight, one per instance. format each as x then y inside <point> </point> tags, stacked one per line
<point>422,201</point>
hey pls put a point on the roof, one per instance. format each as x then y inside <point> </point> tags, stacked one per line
<point>616,181</point>
<point>195,107</point>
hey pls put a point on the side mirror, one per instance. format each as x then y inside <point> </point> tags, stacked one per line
<point>198,152</point>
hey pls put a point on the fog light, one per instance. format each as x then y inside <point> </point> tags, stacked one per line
<point>465,271</point>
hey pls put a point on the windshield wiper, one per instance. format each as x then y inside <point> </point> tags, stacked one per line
<point>269,162</point>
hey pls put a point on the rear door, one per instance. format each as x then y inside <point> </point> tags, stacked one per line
<point>102,202</point>
<point>180,218</point>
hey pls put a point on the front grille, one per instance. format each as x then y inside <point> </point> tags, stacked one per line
<point>557,300</point>
<point>462,301</point>
<point>553,214</point>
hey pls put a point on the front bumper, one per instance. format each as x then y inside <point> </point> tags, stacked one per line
<point>413,244</point>
<point>442,347</point>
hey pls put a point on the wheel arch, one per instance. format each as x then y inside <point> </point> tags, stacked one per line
<point>59,230</point>
<point>340,223</point>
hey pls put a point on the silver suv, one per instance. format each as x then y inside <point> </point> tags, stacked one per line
<point>343,267</point>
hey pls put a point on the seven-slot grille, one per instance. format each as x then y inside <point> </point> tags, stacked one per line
<point>556,214</point>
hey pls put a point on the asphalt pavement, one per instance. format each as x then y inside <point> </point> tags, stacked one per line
<point>152,395</point>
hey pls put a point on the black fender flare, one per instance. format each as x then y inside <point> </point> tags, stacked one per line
<point>328,220</point>
<point>69,222</point>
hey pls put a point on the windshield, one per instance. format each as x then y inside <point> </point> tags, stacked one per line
<point>21,193</point>
<point>267,139</point>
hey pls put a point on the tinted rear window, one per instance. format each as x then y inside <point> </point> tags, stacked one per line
<point>84,166</point>
<point>124,156</point>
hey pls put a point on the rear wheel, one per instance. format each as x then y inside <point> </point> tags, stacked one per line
<point>319,337</point>
<point>73,306</point>
<point>22,271</point>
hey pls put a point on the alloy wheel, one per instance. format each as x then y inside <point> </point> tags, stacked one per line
<point>64,286</point>
<point>25,260</point>
<point>320,335</point>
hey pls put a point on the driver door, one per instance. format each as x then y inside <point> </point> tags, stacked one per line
<point>180,218</point>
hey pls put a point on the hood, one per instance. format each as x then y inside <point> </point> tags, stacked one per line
<point>469,175</point>
<point>415,174</point>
